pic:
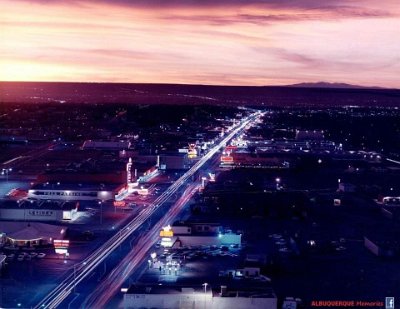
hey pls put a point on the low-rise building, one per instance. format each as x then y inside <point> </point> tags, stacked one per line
<point>29,210</point>
<point>309,135</point>
<point>73,192</point>
<point>198,234</point>
<point>106,145</point>
<point>391,200</point>
<point>167,296</point>
<point>29,234</point>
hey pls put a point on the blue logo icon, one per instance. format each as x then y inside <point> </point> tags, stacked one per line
<point>389,302</point>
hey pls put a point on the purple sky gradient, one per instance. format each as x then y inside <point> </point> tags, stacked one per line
<point>209,42</point>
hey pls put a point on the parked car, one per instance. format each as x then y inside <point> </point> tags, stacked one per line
<point>21,257</point>
<point>41,255</point>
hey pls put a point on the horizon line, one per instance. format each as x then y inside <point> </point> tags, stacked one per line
<point>331,85</point>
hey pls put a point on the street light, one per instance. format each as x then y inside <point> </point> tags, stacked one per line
<point>203,182</point>
<point>278,181</point>
<point>205,293</point>
<point>102,253</point>
<point>6,171</point>
<point>101,212</point>
<point>153,256</point>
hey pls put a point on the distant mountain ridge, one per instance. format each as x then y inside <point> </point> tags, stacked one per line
<point>320,94</point>
<point>332,85</point>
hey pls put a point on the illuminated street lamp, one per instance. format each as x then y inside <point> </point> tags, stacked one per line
<point>205,293</point>
<point>203,182</point>
<point>101,212</point>
<point>6,171</point>
<point>153,256</point>
<point>278,181</point>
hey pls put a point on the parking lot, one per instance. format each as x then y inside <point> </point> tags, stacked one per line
<point>23,256</point>
<point>192,265</point>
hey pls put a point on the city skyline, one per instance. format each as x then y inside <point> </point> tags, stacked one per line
<point>224,42</point>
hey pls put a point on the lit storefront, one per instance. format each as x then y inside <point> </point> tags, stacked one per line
<point>22,234</point>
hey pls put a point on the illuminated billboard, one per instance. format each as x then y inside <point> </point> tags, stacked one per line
<point>119,203</point>
<point>226,159</point>
<point>63,243</point>
<point>166,233</point>
<point>129,171</point>
<point>61,246</point>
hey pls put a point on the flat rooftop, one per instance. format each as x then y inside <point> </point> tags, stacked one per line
<point>30,230</point>
<point>231,291</point>
<point>75,186</point>
<point>164,289</point>
<point>206,264</point>
<point>190,223</point>
<point>31,204</point>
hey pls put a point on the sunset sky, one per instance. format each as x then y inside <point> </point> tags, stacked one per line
<point>228,42</point>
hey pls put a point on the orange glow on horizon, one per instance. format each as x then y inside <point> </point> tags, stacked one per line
<point>249,44</point>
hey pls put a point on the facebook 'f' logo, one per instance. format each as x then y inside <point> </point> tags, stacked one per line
<point>389,303</point>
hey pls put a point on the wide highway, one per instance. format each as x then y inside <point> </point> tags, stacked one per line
<point>90,263</point>
<point>115,279</point>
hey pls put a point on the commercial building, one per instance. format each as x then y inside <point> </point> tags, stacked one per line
<point>30,210</point>
<point>200,274</point>
<point>165,161</point>
<point>72,176</point>
<point>293,145</point>
<point>142,172</point>
<point>73,192</point>
<point>391,200</point>
<point>309,135</point>
<point>198,234</point>
<point>98,173</point>
<point>106,145</point>
<point>24,234</point>
<point>104,170</point>
<point>167,296</point>
<point>255,160</point>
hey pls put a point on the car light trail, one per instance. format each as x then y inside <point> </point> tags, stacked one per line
<point>64,289</point>
<point>110,285</point>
